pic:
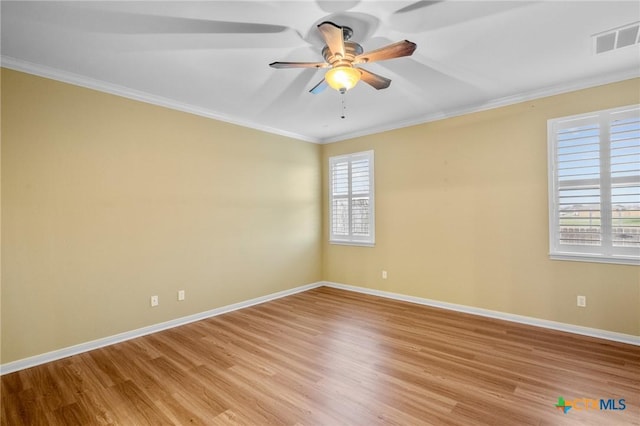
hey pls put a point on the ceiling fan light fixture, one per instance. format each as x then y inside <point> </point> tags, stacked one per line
<point>342,78</point>
<point>340,56</point>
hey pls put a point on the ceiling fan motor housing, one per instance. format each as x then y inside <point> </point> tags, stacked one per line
<point>351,50</point>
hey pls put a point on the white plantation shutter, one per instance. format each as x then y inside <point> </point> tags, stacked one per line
<point>351,204</point>
<point>594,186</point>
<point>578,182</point>
<point>624,136</point>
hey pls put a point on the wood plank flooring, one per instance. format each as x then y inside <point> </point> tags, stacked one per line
<point>332,357</point>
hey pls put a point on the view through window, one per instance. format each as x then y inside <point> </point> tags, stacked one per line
<point>351,211</point>
<point>594,191</point>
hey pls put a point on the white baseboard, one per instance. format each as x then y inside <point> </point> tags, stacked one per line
<point>570,328</point>
<point>21,364</point>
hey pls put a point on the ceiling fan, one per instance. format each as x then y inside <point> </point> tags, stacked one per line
<point>342,56</point>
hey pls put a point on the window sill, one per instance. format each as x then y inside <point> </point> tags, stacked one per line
<point>353,243</point>
<point>595,259</point>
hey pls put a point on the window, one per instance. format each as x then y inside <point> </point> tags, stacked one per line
<point>594,186</point>
<point>351,207</point>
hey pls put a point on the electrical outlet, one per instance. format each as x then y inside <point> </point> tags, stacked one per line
<point>384,275</point>
<point>154,301</point>
<point>582,301</point>
<point>181,295</point>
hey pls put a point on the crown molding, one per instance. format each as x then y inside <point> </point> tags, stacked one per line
<point>114,89</point>
<point>137,95</point>
<point>585,83</point>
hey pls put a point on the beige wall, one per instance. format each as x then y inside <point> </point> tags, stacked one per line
<point>461,217</point>
<point>107,201</point>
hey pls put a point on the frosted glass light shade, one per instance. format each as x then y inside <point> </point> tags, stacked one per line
<point>342,77</point>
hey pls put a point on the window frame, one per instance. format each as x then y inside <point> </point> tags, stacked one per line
<point>353,240</point>
<point>606,252</point>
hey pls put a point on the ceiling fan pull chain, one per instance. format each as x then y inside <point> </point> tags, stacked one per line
<point>343,115</point>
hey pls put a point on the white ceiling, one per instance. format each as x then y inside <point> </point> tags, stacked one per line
<point>210,58</point>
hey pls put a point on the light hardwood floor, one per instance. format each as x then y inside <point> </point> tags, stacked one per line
<point>332,357</point>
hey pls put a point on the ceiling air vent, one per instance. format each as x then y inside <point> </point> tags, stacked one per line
<point>617,38</point>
